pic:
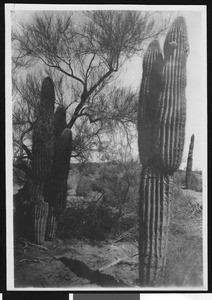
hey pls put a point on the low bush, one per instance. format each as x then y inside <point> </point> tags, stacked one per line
<point>93,221</point>
<point>84,186</point>
<point>179,178</point>
<point>196,182</point>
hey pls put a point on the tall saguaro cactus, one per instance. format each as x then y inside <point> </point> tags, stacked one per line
<point>42,151</point>
<point>189,162</point>
<point>161,132</point>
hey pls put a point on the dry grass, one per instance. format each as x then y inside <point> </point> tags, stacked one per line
<point>185,253</point>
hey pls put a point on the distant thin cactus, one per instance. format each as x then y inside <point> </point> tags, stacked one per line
<point>189,163</point>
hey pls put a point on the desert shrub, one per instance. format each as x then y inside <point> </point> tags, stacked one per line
<point>184,207</point>
<point>98,186</point>
<point>128,221</point>
<point>22,209</point>
<point>87,168</point>
<point>84,186</point>
<point>197,171</point>
<point>196,182</point>
<point>119,182</point>
<point>179,178</point>
<point>93,221</point>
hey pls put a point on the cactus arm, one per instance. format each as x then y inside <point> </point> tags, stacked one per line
<point>146,107</point>
<point>172,100</point>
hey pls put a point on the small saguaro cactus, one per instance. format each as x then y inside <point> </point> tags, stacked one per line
<point>50,195</point>
<point>189,162</point>
<point>42,151</point>
<point>60,169</point>
<point>162,114</point>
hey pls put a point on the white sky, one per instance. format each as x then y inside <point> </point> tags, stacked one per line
<point>196,76</point>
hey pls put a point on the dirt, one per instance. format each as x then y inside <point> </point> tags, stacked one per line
<point>37,266</point>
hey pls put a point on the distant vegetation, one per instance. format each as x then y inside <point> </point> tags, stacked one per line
<point>104,202</point>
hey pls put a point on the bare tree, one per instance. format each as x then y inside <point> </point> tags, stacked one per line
<point>83,59</point>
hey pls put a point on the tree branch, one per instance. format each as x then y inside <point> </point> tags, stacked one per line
<point>92,89</point>
<point>23,167</point>
<point>28,152</point>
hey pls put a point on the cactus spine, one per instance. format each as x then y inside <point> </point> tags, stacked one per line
<point>42,151</point>
<point>162,114</point>
<point>189,162</point>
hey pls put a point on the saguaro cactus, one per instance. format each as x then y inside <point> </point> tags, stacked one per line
<point>59,120</point>
<point>43,134</point>
<point>189,162</point>
<point>162,113</point>
<point>39,219</point>
<point>147,100</point>
<point>42,151</point>
<point>60,170</point>
<point>155,192</point>
<point>171,115</point>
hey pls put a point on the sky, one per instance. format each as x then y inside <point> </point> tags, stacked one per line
<point>196,78</point>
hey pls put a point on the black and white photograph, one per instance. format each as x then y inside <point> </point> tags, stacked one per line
<point>106,147</point>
